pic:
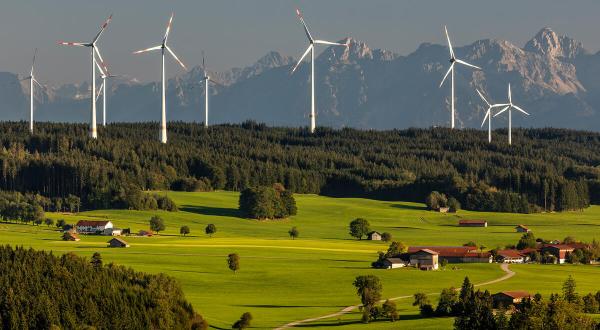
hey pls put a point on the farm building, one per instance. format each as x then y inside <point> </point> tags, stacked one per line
<point>93,227</point>
<point>113,232</point>
<point>560,251</point>
<point>374,236</point>
<point>117,242</point>
<point>456,254</point>
<point>522,229</point>
<point>70,236</point>
<point>511,257</point>
<point>145,233</point>
<point>390,263</point>
<point>424,259</point>
<point>443,209</point>
<point>507,298</point>
<point>472,223</point>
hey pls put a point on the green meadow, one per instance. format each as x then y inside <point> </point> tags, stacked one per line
<point>283,280</point>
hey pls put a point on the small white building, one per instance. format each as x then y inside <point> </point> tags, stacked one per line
<point>113,232</point>
<point>93,227</point>
<point>391,263</point>
<point>374,236</point>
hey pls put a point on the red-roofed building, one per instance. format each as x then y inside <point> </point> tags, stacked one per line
<point>93,227</point>
<point>472,223</point>
<point>511,257</point>
<point>560,251</point>
<point>456,254</point>
<point>507,298</point>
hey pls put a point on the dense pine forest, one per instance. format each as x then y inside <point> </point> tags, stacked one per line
<point>42,291</point>
<point>545,169</point>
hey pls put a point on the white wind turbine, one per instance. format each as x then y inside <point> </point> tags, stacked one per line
<point>206,80</point>
<point>104,74</point>
<point>509,108</point>
<point>163,46</point>
<point>453,61</point>
<point>488,114</point>
<point>32,80</point>
<point>94,52</point>
<point>311,49</point>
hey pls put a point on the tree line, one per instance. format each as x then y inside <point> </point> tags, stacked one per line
<point>549,169</point>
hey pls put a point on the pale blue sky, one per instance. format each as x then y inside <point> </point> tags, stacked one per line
<point>238,32</point>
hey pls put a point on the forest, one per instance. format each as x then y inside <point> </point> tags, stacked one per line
<point>42,291</point>
<point>544,169</point>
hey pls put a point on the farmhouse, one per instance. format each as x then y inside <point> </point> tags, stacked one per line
<point>374,236</point>
<point>113,232</point>
<point>117,242</point>
<point>511,257</point>
<point>424,259</point>
<point>472,223</point>
<point>507,298</point>
<point>93,227</point>
<point>390,263</point>
<point>522,229</point>
<point>443,209</point>
<point>456,254</point>
<point>560,251</point>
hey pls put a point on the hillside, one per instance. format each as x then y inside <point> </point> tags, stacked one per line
<point>553,77</point>
<point>545,169</point>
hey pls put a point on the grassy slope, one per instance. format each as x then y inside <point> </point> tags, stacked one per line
<point>282,280</point>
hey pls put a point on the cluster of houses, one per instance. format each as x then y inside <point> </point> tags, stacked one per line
<point>95,227</point>
<point>556,249</point>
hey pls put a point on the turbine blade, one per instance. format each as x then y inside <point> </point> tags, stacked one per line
<point>509,94</point>
<point>467,64</point>
<point>310,47</point>
<point>80,44</point>
<point>99,91</point>
<point>449,43</point>
<point>501,111</point>
<point>487,114</point>
<point>176,58</point>
<point>102,29</point>
<point>323,42</point>
<point>523,111</point>
<point>101,69</point>
<point>104,68</point>
<point>310,38</point>
<point>33,62</point>
<point>447,73</point>
<point>168,29</point>
<point>484,100</point>
<point>35,81</point>
<point>147,49</point>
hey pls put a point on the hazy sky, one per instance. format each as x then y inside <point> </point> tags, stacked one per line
<point>236,33</point>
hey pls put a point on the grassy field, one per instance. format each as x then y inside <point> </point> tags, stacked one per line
<point>283,280</point>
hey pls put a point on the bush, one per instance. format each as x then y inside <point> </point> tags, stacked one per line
<point>267,203</point>
<point>386,237</point>
<point>453,205</point>
<point>436,200</point>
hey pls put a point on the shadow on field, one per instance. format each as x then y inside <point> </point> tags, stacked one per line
<point>335,323</point>
<point>409,207</point>
<point>214,211</point>
<point>343,260</point>
<point>284,306</point>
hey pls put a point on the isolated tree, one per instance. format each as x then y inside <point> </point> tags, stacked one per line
<point>243,322</point>
<point>453,205</point>
<point>210,229</point>
<point>184,230</point>
<point>386,237</point>
<point>435,200</point>
<point>96,261</point>
<point>447,302</point>
<point>49,222</point>
<point>157,224</point>
<point>233,262</point>
<point>369,288</point>
<point>359,227</point>
<point>569,290</point>
<point>390,310</point>
<point>294,233</point>
<point>395,249</point>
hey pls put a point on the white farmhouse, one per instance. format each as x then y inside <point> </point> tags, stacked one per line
<point>93,227</point>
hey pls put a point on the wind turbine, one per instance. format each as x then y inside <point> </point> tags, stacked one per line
<point>488,114</point>
<point>163,46</point>
<point>311,49</point>
<point>206,80</point>
<point>453,61</point>
<point>104,74</point>
<point>32,80</point>
<point>509,108</point>
<point>94,52</point>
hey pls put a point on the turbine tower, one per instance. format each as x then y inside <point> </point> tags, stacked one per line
<point>509,108</point>
<point>32,80</point>
<point>163,46</point>
<point>453,61</point>
<point>206,80</point>
<point>311,49</point>
<point>94,52</point>
<point>488,114</point>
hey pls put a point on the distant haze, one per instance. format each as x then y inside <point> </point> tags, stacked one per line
<point>234,33</point>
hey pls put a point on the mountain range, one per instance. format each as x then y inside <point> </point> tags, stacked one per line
<point>553,77</point>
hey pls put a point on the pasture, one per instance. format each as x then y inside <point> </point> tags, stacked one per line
<point>283,280</point>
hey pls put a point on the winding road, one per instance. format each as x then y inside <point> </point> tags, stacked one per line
<point>508,274</point>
